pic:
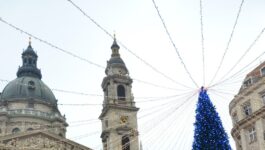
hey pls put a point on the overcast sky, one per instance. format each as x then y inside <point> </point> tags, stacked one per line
<point>165,121</point>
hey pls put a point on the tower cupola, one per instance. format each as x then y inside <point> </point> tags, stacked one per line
<point>115,48</point>
<point>29,64</point>
<point>116,65</point>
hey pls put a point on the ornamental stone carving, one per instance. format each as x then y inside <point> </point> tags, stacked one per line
<point>38,142</point>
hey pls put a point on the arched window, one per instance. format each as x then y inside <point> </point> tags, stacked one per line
<point>125,143</point>
<point>121,92</point>
<point>30,61</point>
<point>29,129</point>
<point>15,130</point>
<point>34,62</point>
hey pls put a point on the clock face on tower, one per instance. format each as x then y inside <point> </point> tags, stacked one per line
<point>123,119</point>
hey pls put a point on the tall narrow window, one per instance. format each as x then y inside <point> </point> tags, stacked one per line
<point>252,134</point>
<point>106,123</point>
<point>263,99</point>
<point>30,61</point>
<point>262,71</point>
<point>125,143</point>
<point>121,92</point>
<point>247,109</point>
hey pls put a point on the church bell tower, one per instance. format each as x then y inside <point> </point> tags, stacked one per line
<point>119,113</point>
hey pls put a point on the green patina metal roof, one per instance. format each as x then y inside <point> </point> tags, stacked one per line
<point>28,87</point>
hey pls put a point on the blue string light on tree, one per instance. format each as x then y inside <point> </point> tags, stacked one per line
<point>209,133</point>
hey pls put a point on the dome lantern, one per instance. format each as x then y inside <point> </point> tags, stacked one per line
<point>29,64</point>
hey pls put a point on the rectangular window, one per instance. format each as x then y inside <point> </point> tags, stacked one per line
<point>263,99</point>
<point>247,109</point>
<point>106,123</point>
<point>262,71</point>
<point>252,134</point>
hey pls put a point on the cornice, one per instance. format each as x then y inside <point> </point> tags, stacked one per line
<point>248,120</point>
<point>119,107</point>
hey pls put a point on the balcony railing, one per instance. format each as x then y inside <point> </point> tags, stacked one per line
<point>32,113</point>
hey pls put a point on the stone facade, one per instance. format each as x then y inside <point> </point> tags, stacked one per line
<point>119,113</point>
<point>247,111</point>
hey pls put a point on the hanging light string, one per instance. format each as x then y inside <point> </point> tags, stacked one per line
<point>91,19</point>
<point>156,121</point>
<point>125,47</point>
<point>148,129</point>
<point>167,134</point>
<point>144,99</point>
<point>88,61</point>
<point>84,135</point>
<point>202,42</point>
<point>245,53</point>
<point>91,121</point>
<point>232,82</point>
<point>52,45</point>
<point>78,123</point>
<point>60,125</point>
<point>117,141</point>
<point>220,92</point>
<point>166,106</point>
<point>160,86</point>
<point>235,74</point>
<point>167,113</point>
<point>182,133</point>
<point>237,79</point>
<point>229,41</point>
<point>171,40</point>
<point>88,134</point>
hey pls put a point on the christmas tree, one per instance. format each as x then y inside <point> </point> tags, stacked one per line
<point>209,133</point>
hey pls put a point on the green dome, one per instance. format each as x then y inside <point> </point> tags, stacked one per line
<point>26,87</point>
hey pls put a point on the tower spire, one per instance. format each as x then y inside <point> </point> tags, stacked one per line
<point>115,48</point>
<point>29,41</point>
